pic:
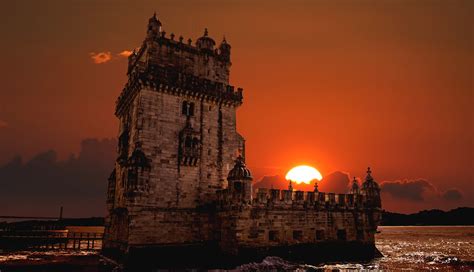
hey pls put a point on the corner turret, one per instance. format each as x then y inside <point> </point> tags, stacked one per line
<point>153,28</point>
<point>205,42</point>
<point>355,190</point>
<point>371,190</point>
<point>240,181</point>
<point>224,50</point>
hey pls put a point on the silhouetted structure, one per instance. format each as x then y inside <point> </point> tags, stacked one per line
<point>180,182</point>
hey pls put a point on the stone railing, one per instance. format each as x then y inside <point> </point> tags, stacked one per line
<point>294,199</point>
<point>275,197</point>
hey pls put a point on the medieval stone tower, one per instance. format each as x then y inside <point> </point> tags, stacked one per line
<point>180,182</point>
<point>177,140</point>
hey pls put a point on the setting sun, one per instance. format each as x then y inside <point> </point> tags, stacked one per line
<point>303,174</point>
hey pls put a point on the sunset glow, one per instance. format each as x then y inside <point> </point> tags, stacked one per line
<point>303,174</point>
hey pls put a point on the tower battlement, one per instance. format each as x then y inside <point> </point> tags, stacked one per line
<point>171,80</point>
<point>286,199</point>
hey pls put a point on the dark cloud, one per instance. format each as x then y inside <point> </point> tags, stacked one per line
<point>276,182</point>
<point>452,195</point>
<point>337,182</point>
<point>44,183</point>
<point>413,190</point>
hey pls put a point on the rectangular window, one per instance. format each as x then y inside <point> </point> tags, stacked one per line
<point>341,235</point>
<point>273,236</point>
<point>297,235</point>
<point>320,235</point>
<point>187,108</point>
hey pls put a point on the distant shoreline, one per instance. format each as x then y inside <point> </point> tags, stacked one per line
<point>463,216</point>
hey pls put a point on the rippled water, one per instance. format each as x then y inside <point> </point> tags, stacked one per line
<point>426,247</point>
<point>404,248</point>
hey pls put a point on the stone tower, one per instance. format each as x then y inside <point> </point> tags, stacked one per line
<point>177,141</point>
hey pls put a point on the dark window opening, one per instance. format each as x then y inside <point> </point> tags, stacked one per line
<point>253,233</point>
<point>360,235</point>
<point>273,235</point>
<point>195,143</point>
<point>297,235</point>
<point>341,235</point>
<point>320,235</point>
<point>187,108</point>
<point>238,186</point>
<point>188,142</point>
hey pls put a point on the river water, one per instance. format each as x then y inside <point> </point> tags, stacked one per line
<point>404,248</point>
<point>415,248</point>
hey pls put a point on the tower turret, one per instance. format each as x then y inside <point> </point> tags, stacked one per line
<point>371,190</point>
<point>240,180</point>
<point>205,42</point>
<point>154,27</point>
<point>355,187</point>
<point>224,50</point>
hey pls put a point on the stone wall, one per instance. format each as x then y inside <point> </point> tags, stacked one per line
<point>154,123</point>
<point>282,218</point>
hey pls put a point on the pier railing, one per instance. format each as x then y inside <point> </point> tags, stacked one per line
<point>50,239</point>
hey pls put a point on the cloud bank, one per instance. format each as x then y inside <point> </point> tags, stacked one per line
<point>413,190</point>
<point>452,195</point>
<point>418,190</point>
<point>44,183</point>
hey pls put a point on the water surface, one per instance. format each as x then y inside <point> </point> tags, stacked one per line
<point>404,248</point>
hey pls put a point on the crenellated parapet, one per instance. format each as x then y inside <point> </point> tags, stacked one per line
<point>166,64</point>
<point>170,80</point>
<point>297,200</point>
<point>275,198</point>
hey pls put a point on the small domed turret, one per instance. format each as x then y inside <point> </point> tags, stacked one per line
<point>154,27</point>
<point>355,187</point>
<point>224,50</point>
<point>371,190</point>
<point>240,181</point>
<point>240,171</point>
<point>369,182</point>
<point>205,42</point>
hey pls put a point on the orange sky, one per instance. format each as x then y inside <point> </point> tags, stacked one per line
<point>339,85</point>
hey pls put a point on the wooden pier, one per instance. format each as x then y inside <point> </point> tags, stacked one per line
<point>50,239</point>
